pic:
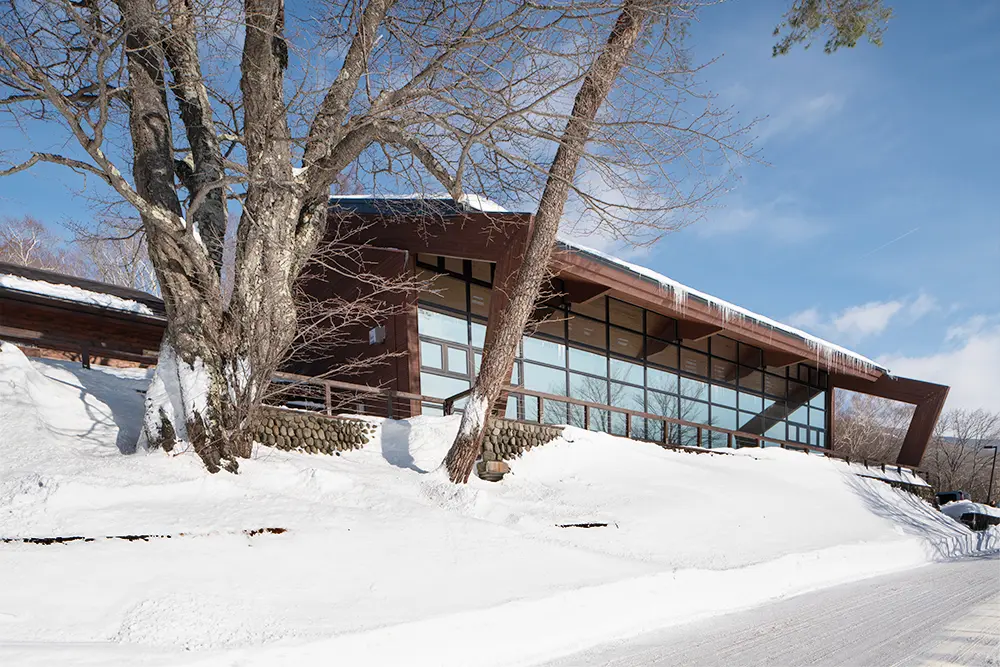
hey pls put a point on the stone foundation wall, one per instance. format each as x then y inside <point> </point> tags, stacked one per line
<point>506,440</point>
<point>310,432</point>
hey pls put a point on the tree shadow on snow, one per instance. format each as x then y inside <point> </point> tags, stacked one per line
<point>945,538</point>
<point>125,403</point>
<point>396,445</point>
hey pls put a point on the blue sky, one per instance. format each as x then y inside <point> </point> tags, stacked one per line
<point>873,222</point>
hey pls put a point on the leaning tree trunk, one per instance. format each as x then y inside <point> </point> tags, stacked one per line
<point>499,354</point>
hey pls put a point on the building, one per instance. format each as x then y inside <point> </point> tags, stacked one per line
<point>78,318</point>
<point>615,348</point>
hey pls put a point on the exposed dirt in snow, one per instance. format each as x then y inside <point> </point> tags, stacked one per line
<point>384,558</point>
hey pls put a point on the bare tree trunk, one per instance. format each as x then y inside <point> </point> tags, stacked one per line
<point>498,356</point>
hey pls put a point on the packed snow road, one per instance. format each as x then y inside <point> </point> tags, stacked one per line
<point>942,614</point>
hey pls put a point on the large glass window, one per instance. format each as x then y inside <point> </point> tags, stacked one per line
<point>609,352</point>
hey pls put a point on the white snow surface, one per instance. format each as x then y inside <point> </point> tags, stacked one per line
<point>828,352</point>
<point>385,562</point>
<point>71,293</point>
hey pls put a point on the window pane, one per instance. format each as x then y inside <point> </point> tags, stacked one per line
<point>694,389</point>
<point>662,380</point>
<point>479,298</point>
<point>589,332</point>
<point>555,413</point>
<point>593,308</point>
<point>777,431</point>
<point>775,386</point>
<point>661,404</point>
<point>586,388</point>
<point>553,325</point>
<point>544,379</point>
<point>625,371</point>
<point>627,396</point>
<point>482,271</point>
<point>438,325</point>
<point>446,291</point>
<point>751,403</point>
<point>458,361</point>
<point>587,362</point>
<point>654,430</point>
<point>821,440</point>
<point>427,259</point>
<point>440,386</point>
<point>511,411</point>
<point>477,361</point>
<point>715,440</point>
<point>430,355</point>
<point>515,374</point>
<point>818,401</point>
<point>817,418</point>
<point>724,347</point>
<point>746,418</point>
<point>626,343</point>
<point>545,350</point>
<point>723,396</point>
<point>751,356</point>
<point>800,415</point>
<point>625,315</point>
<point>724,418</point>
<point>478,334</point>
<point>723,371</point>
<point>694,363</point>
<point>663,354</point>
<point>751,380</point>
<point>694,411</point>
<point>430,409</point>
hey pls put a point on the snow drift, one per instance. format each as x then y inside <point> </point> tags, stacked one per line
<point>385,561</point>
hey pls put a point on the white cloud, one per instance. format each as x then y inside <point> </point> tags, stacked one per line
<point>801,115</point>
<point>870,319</point>
<point>969,364</point>
<point>781,219</point>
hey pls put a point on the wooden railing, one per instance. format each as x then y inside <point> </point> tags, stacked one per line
<point>733,438</point>
<point>332,396</point>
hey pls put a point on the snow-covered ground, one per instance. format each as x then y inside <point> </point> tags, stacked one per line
<point>384,561</point>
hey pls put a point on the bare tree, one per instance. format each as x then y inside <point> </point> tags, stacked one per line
<point>642,53</point>
<point>115,249</point>
<point>28,242</point>
<point>869,427</point>
<point>956,460</point>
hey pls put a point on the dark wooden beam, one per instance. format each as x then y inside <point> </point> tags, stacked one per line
<point>582,291</point>
<point>778,359</point>
<point>693,331</point>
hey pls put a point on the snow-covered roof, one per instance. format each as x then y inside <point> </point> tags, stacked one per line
<point>828,353</point>
<point>72,293</point>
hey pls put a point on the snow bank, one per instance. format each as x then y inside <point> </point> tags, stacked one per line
<point>385,561</point>
<point>71,293</point>
<point>956,509</point>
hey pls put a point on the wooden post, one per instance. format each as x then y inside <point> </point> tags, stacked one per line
<point>541,409</point>
<point>327,399</point>
<point>586,417</point>
<point>628,424</point>
<point>85,356</point>
<point>698,439</point>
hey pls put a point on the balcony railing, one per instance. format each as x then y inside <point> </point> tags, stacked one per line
<point>670,429</point>
<point>331,397</point>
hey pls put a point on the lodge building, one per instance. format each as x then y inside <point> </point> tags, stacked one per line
<point>613,347</point>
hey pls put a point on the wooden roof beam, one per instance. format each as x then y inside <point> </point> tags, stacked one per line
<point>695,331</point>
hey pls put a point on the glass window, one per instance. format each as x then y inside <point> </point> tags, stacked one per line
<point>715,439</point>
<point>798,393</point>
<point>694,389</point>
<point>588,362</point>
<point>594,308</point>
<point>777,431</point>
<point>660,327</point>
<point>427,259</point>
<point>654,430</point>
<point>477,361</point>
<point>430,355</point>
<point>694,363</point>
<point>747,422</point>
<point>626,371</point>
<point>800,415</point>
<point>544,379</point>
<point>817,418</point>
<point>724,347</point>
<point>694,411</point>
<point>478,334</point>
<point>511,411</point>
<point>775,386</point>
<point>454,265</point>
<point>458,360</point>
<point>440,386</point>
<point>724,418</point>
<point>723,371</point>
<point>626,396</point>
<point>723,396</point>
<point>626,343</point>
<point>660,353</point>
<point>821,440</point>
<point>589,332</point>
<point>439,325</point>
<point>587,388</point>
<point>479,300</point>
<point>818,401</point>
<point>446,291</point>
<point>701,344</point>
<point>753,380</point>
<point>482,271</point>
<point>661,404</point>
<point>625,315</point>
<point>554,325</point>
<point>515,374</point>
<point>548,351</point>
<point>662,380</point>
<point>751,403</point>
<point>555,413</point>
